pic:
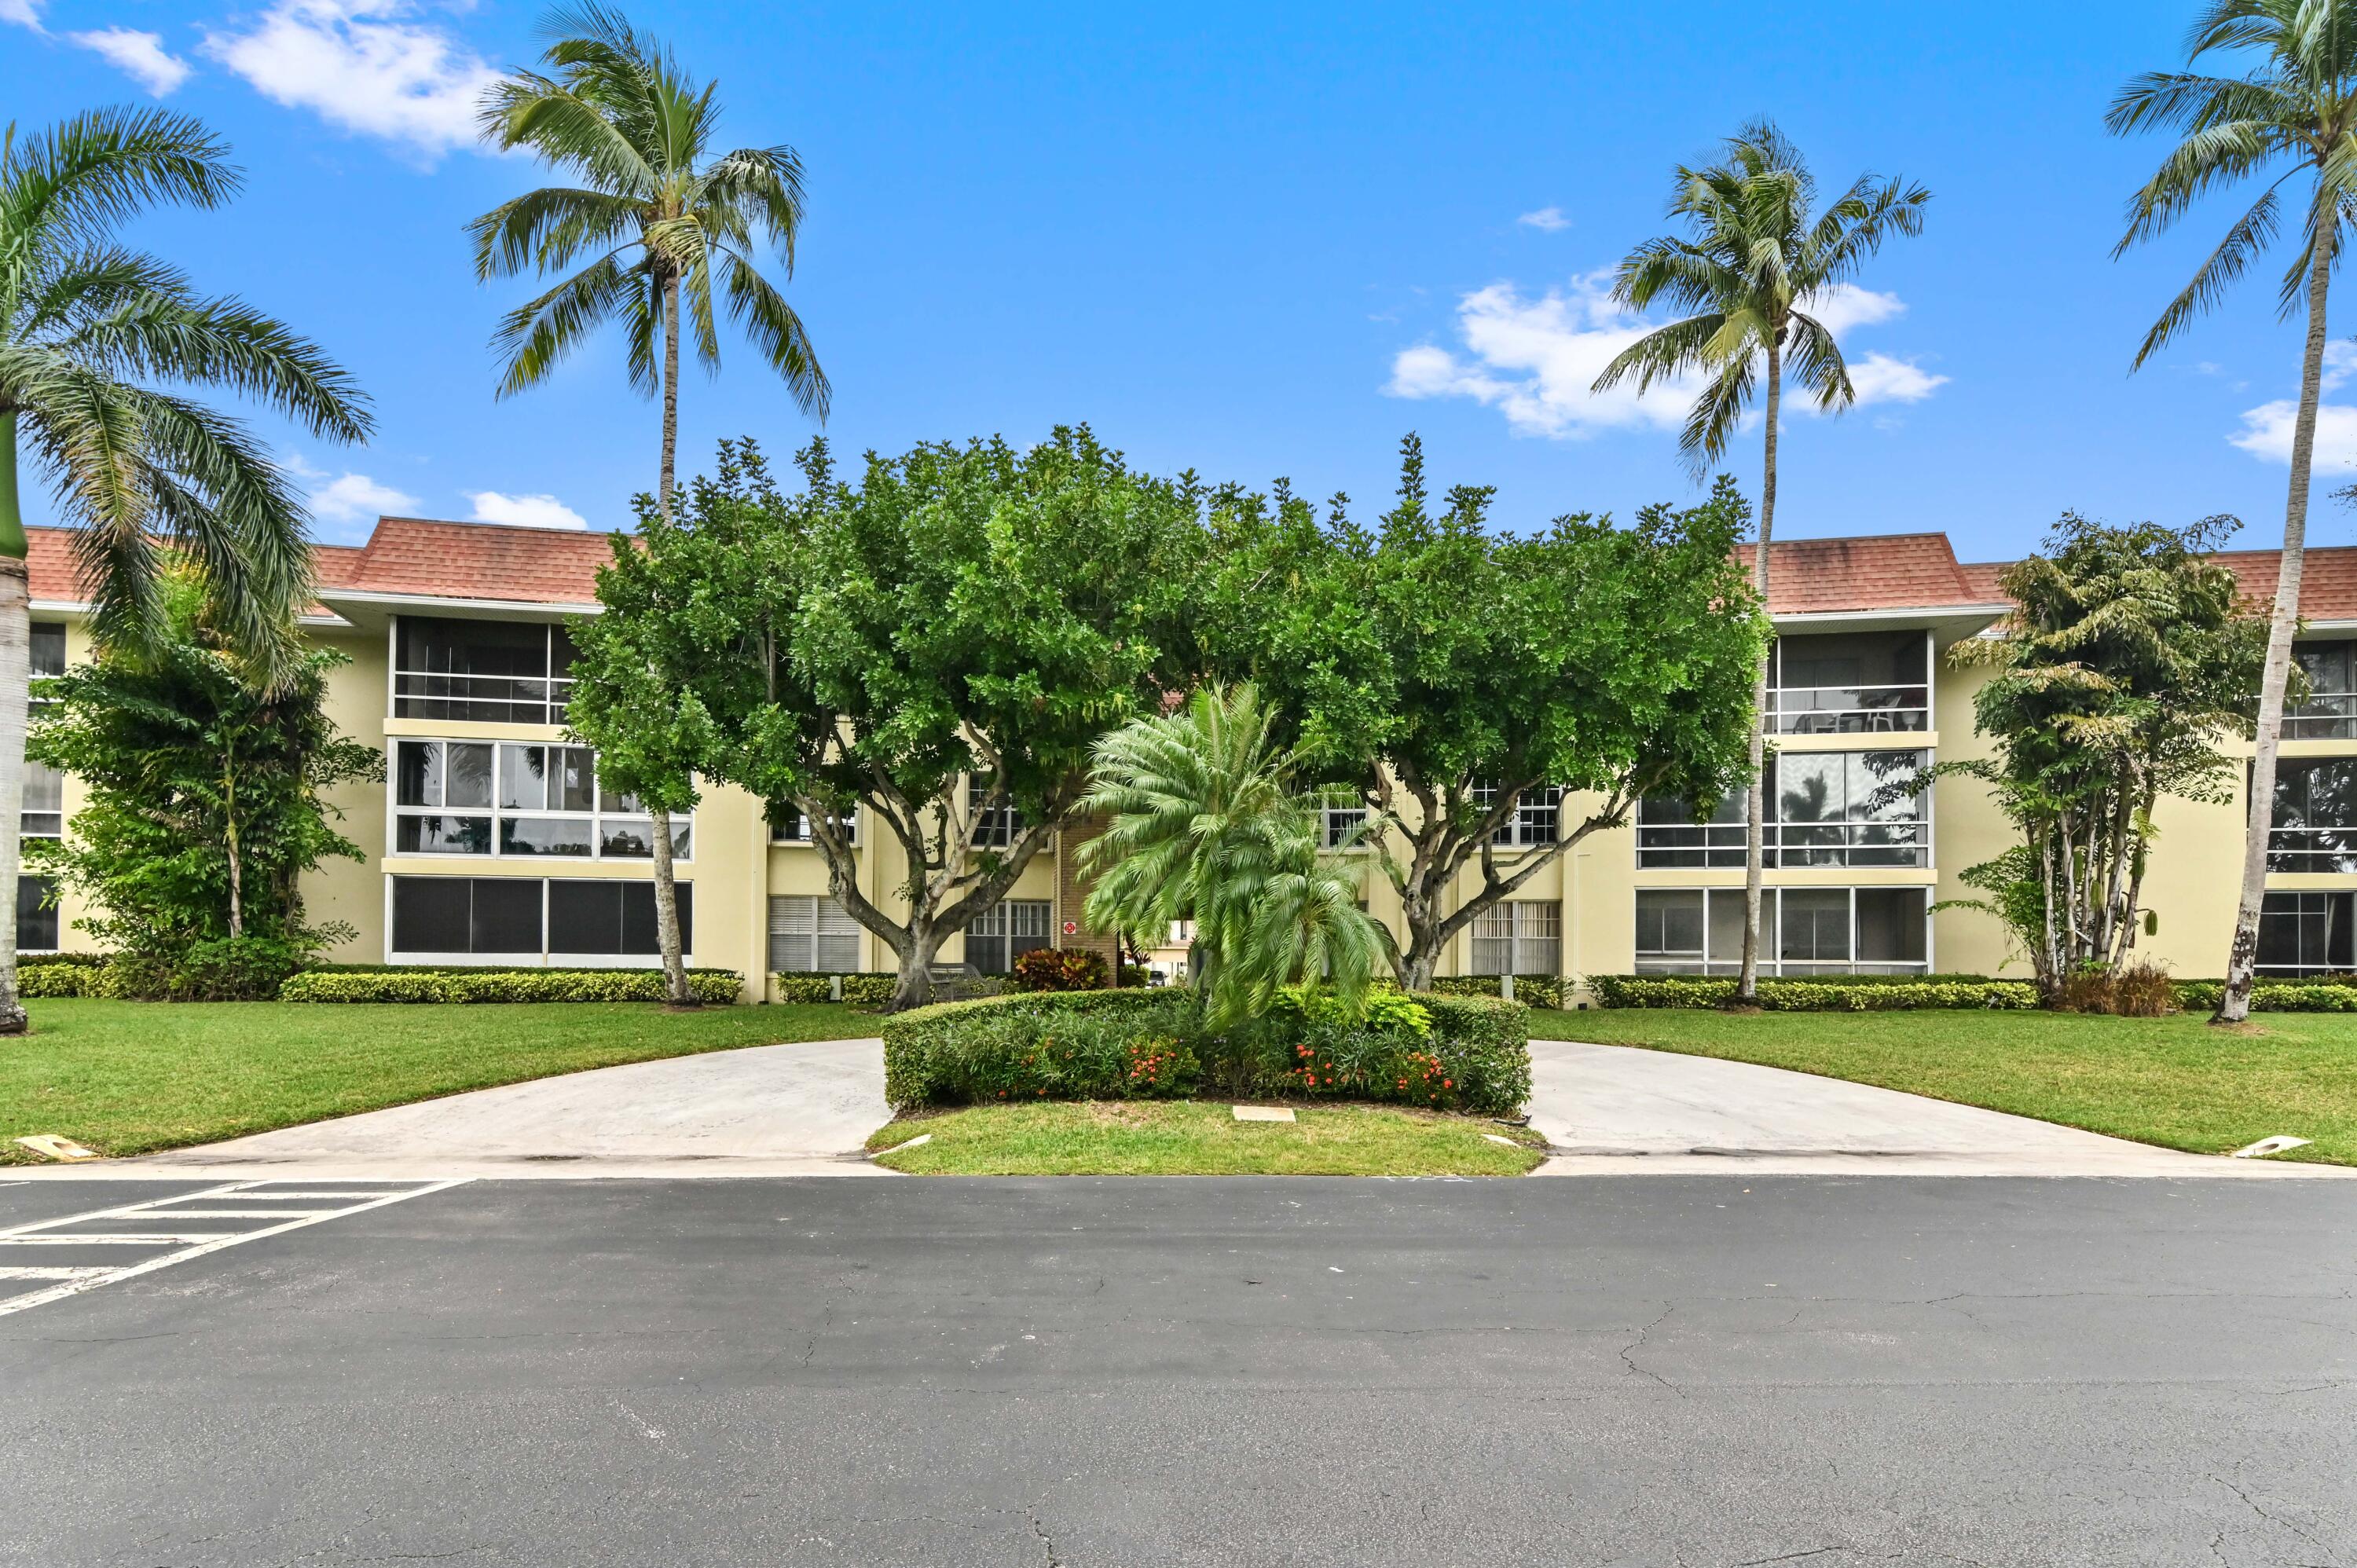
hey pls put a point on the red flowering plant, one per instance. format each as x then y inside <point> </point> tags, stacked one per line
<point>1059,969</point>
<point>1161,1067</point>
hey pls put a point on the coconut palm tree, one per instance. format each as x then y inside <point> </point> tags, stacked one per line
<point>1757,260</point>
<point>91,334</point>
<point>655,216</point>
<point>2294,111</point>
<point>1206,826</point>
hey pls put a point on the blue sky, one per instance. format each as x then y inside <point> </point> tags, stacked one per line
<point>1253,241</point>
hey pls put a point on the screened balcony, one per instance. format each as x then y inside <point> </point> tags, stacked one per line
<point>1825,808</point>
<point>2330,711</point>
<point>1875,682</point>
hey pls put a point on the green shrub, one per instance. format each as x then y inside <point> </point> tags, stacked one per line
<point>1470,1052</point>
<point>805,987</point>
<point>1529,990</point>
<point>2324,994</point>
<point>44,978</point>
<point>1843,993</point>
<point>234,969</point>
<point>869,989</point>
<point>707,985</point>
<point>1059,969</point>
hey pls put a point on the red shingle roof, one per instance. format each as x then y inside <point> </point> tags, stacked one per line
<point>1887,571</point>
<point>407,555</point>
<point>2328,579</point>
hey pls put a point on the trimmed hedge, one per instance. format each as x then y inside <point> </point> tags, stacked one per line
<point>2320,995</point>
<point>1529,990</point>
<point>707,985</point>
<point>805,987</point>
<point>1846,994</point>
<point>1473,1052</point>
<point>47,977</point>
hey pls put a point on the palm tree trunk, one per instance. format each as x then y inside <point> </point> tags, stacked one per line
<point>16,679</point>
<point>1747,989</point>
<point>2242,959</point>
<point>666,889</point>
<point>670,393</point>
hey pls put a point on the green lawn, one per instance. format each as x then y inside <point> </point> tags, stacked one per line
<point>2172,1082</point>
<point>125,1078</point>
<point>1195,1138</point>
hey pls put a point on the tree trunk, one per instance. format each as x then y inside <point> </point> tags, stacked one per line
<point>2242,959</point>
<point>915,987</point>
<point>667,916</point>
<point>666,889</point>
<point>670,393</point>
<point>16,680</point>
<point>236,860</point>
<point>1747,988</point>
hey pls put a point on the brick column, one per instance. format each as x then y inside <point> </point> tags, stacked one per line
<point>1070,895</point>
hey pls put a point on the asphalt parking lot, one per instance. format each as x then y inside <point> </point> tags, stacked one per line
<point>1640,1371</point>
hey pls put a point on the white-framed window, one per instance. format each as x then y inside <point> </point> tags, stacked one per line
<point>43,814</point>
<point>813,934</point>
<point>1824,808</point>
<point>555,921</point>
<point>2330,711</point>
<point>996,827</point>
<point>788,823</point>
<point>1004,932</point>
<point>480,671</point>
<point>1537,819</point>
<point>1340,824</point>
<point>1518,936</point>
<point>504,799</point>
<point>1802,930</point>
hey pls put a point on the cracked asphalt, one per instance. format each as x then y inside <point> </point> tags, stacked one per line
<point>1657,1370</point>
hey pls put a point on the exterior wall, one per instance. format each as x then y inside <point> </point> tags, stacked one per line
<point>735,869</point>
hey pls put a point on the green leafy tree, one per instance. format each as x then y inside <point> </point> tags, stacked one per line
<point>657,224</point>
<point>2131,651</point>
<point>1205,823</point>
<point>940,644</point>
<point>101,347</point>
<point>1452,677</point>
<point>2294,110</point>
<point>1758,260</point>
<point>207,788</point>
<point>634,699</point>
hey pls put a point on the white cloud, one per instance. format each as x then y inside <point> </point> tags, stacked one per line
<point>24,13</point>
<point>524,511</point>
<point>355,498</point>
<point>140,56</point>
<point>1536,361</point>
<point>1878,377</point>
<point>362,65</point>
<point>1546,220</point>
<point>2267,434</point>
<point>2339,361</point>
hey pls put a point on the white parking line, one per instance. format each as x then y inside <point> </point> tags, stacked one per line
<point>141,1222</point>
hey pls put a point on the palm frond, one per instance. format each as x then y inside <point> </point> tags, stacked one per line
<point>551,229</point>
<point>535,337</point>
<point>76,181</point>
<point>761,313</point>
<point>228,343</point>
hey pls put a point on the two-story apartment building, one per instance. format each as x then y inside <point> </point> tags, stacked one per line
<point>490,840</point>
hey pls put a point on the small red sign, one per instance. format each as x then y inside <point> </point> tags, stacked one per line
<point>1072,928</point>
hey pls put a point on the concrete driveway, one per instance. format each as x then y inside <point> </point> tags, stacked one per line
<point>1615,1109</point>
<point>793,1109</point>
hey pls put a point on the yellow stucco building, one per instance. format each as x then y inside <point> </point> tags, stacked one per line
<point>490,842</point>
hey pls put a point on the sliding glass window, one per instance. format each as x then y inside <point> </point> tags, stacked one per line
<point>500,799</point>
<point>1826,808</point>
<point>1804,931</point>
<point>2315,825</point>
